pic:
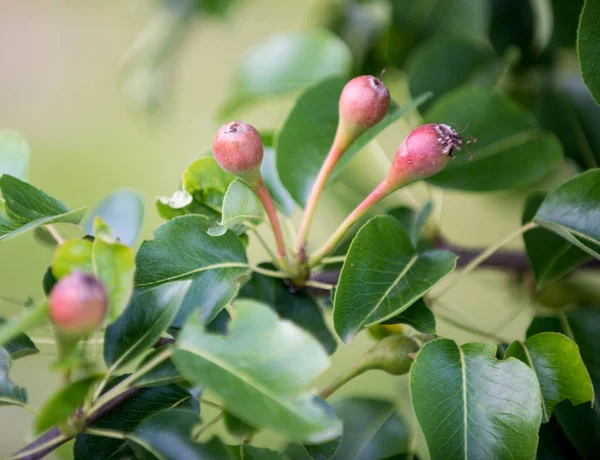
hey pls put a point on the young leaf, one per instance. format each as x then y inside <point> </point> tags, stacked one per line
<point>20,346</point>
<point>511,151</point>
<point>383,275</point>
<point>10,394</point>
<point>63,404</point>
<point>573,211</point>
<point>299,307</point>
<point>182,250</point>
<point>206,181</point>
<point>470,405</point>
<point>148,315</point>
<point>551,256</point>
<point>588,46</point>
<point>248,371</point>
<point>14,155</point>
<point>302,59</point>
<point>26,207</point>
<point>240,206</point>
<point>72,255</point>
<point>559,369</point>
<point>418,316</point>
<point>308,133</point>
<point>123,212</point>
<point>114,266</point>
<point>125,418</point>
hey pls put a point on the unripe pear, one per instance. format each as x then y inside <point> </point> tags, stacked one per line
<point>78,304</point>
<point>425,152</point>
<point>364,102</point>
<point>238,149</point>
<point>393,354</point>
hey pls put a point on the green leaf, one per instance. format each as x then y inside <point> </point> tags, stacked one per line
<point>573,211</point>
<point>446,62</point>
<point>10,394</point>
<point>554,444</point>
<point>308,133</point>
<point>588,46</point>
<point>418,316</point>
<point>148,315</point>
<point>206,181</point>
<point>114,265</point>
<point>20,346</point>
<point>261,371</point>
<point>28,319</point>
<point>470,405</point>
<point>412,221</point>
<point>123,212</point>
<point>282,198</point>
<point>559,369</point>
<point>125,417</point>
<point>383,275</point>
<point>26,207</point>
<point>167,436</point>
<point>73,255</point>
<point>163,374</point>
<point>240,206</point>
<point>237,428</point>
<point>551,256</point>
<point>284,63</point>
<point>254,453</point>
<point>580,423</point>
<point>63,404</point>
<point>182,250</point>
<point>511,151</point>
<point>298,307</point>
<point>14,155</point>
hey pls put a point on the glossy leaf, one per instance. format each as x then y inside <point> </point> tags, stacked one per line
<point>14,155</point>
<point>412,221</point>
<point>247,370</point>
<point>299,307</point>
<point>72,255</point>
<point>26,207</point>
<point>383,275</point>
<point>551,256</point>
<point>308,133</point>
<point>63,404</point>
<point>287,62</point>
<point>268,169</point>
<point>10,394</point>
<point>126,417</point>
<point>167,435</point>
<point>559,369</point>
<point>163,374</point>
<point>147,316</point>
<point>123,212</point>
<point>418,316</point>
<point>114,266</point>
<point>588,46</point>
<point>182,250</point>
<point>240,206</point>
<point>573,211</point>
<point>20,346</point>
<point>470,405</point>
<point>511,150</point>
<point>580,423</point>
<point>445,63</point>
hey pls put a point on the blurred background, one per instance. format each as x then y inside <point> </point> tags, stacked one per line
<point>92,127</point>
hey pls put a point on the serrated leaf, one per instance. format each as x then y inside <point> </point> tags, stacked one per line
<point>26,207</point>
<point>20,346</point>
<point>240,206</point>
<point>511,150</point>
<point>551,256</point>
<point>14,155</point>
<point>10,394</point>
<point>125,417</point>
<point>123,212</point>
<point>63,404</point>
<point>182,250</point>
<point>559,369</point>
<point>383,275</point>
<point>470,405</point>
<point>240,369</point>
<point>147,316</point>
<point>309,130</point>
<point>298,307</point>
<point>302,58</point>
<point>588,46</point>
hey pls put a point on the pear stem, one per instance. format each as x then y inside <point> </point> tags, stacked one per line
<point>265,197</point>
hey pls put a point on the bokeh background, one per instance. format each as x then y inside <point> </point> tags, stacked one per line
<point>60,70</point>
